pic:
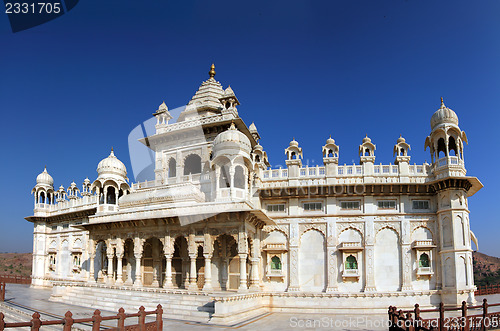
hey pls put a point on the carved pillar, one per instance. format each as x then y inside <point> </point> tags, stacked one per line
<point>293,285</point>
<point>168,250</point>
<point>192,273</point>
<point>168,272</point>
<point>369,259</point>
<point>119,268</point>
<point>138,249</point>
<point>110,255</point>
<point>331,250</point>
<point>208,273</point>
<point>129,280</point>
<point>208,249</point>
<point>243,273</point>
<point>406,256</point>
<point>254,275</point>
<point>91,277</point>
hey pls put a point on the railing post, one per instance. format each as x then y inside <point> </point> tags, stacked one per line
<point>121,319</point>
<point>142,318</point>
<point>159,318</point>
<point>464,317</point>
<point>391,321</point>
<point>2,291</point>
<point>485,313</point>
<point>441,316</point>
<point>68,321</point>
<point>2,322</point>
<point>35,322</point>
<point>409,322</point>
<point>417,316</point>
<point>96,320</point>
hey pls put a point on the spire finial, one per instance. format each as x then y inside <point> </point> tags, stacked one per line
<point>45,168</point>
<point>232,127</point>
<point>442,102</point>
<point>112,152</point>
<point>212,71</point>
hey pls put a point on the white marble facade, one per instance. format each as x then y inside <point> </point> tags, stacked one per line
<point>217,218</point>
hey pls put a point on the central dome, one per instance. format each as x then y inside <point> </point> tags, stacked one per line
<point>111,165</point>
<point>232,138</point>
<point>443,115</point>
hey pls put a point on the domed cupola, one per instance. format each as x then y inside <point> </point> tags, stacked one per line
<point>232,142</point>
<point>443,115</point>
<point>111,182</point>
<point>43,190</point>
<point>45,179</point>
<point>111,166</point>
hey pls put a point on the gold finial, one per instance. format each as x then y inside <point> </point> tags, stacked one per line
<point>212,71</point>
<point>442,102</point>
<point>112,148</point>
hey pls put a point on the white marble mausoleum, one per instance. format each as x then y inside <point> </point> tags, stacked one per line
<point>218,235</point>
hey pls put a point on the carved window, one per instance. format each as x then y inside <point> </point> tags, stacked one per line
<point>239,177</point>
<point>275,263</point>
<point>279,207</point>
<point>172,168</point>
<point>312,206</point>
<point>192,164</point>
<point>351,263</point>
<point>420,204</point>
<point>387,204</point>
<point>423,261</point>
<point>350,205</point>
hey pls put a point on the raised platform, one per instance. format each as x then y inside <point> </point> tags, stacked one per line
<point>228,308</point>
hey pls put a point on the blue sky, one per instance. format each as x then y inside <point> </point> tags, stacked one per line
<point>72,88</point>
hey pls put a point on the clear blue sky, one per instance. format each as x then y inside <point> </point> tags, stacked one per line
<point>72,88</point>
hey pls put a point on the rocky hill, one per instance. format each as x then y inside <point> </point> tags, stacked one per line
<point>486,268</point>
<point>15,264</point>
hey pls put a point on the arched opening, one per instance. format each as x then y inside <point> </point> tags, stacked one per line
<point>179,262</point>
<point>330,153</point>
<point>100,262</point>
<point>192,164</point>
<point>42,197</point>
<point>275,263</point>
<point>452,147</point>
<point>200,268</point>
<point>257,158</point>
<point>388,260</point>
<point>367,152</point>
<point>111,196</point>
<point>293,156</point>
<point>172,168</point>
<point>239,177</point>
<point>312,266</point>
<point>441,148</point>
<point>224,178</point>
<point>402,152</point>
<point>351,263</point>
<point>129,262</point>
<point>151,262</point>
<point>423,261</point>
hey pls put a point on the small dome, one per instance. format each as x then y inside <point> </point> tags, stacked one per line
<point>258,147</point>
<point>86,181</point>
<point>330,141</point>
<point>443,115</point>
<point>111,165</point>
<point>366,140</point>
<point>294,143</point>
<point>231,138</point>
<point>44,178</point>
<point>401,140</point>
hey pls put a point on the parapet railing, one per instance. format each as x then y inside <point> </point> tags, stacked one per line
<point>487,289</point>
<point>13,279</point>
<point>411,320</point>
<point>67,322</point>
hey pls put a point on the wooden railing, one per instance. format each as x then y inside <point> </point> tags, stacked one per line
<point>12,279</point>
<point>67,322</point>
<point>488,289</point>
<point>411,320</point>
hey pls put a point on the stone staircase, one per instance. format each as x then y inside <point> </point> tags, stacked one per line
<point>181,306</point>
